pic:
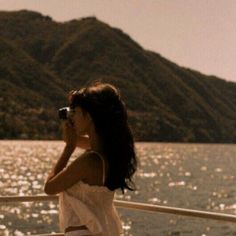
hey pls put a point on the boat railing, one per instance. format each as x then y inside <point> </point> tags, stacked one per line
<point>130,205</point>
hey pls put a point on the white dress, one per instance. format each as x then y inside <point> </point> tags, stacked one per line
<point>89,205</point>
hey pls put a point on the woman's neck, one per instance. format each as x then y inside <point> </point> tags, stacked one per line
<point>95,141</point>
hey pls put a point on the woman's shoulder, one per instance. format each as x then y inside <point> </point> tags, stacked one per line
<point>93,166</point>
<point>91,158</point>
<point>94,154</point>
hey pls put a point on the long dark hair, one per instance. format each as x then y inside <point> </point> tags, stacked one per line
<point>108,112</point>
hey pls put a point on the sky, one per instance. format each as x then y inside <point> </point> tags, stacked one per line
<point>197,34</point>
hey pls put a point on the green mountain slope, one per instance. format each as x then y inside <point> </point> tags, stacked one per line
<point>165,102</point>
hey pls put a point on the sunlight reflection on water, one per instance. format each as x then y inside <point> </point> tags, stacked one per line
<point>181,175</point>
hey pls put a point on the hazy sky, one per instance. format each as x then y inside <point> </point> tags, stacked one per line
<point>199,34</point>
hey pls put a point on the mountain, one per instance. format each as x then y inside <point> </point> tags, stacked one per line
<point>41,60</point>
<point>28,94</point>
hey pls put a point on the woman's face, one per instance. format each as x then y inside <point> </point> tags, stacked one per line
<point>81,121</point>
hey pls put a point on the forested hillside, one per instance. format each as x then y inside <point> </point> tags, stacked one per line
<point>41,60</point>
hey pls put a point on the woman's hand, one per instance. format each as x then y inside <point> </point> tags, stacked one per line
<point>69,134</point>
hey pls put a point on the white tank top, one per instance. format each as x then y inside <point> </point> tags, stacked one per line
<point>90,205</point>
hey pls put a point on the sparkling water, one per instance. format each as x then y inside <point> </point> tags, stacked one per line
<point>196,176</point>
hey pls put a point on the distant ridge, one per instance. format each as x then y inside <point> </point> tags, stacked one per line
<point>41,60</point>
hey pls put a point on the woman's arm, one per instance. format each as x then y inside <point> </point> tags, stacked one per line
<point>87,167</point>
<point>70,138</point>
<point>60,165</point>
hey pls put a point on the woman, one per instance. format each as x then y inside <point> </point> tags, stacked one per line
<point>88,184</point>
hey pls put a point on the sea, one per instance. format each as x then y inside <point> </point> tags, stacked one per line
<point>193,176</point>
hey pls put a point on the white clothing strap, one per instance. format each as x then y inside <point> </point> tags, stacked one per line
<point>103,167</point>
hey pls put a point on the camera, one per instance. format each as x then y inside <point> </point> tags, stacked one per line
<point>64,113</point>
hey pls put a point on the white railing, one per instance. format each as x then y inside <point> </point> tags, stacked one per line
<point>130,205</point>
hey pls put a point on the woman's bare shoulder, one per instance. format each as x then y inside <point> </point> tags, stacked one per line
<point>90,158</point>
<point>91,164</point>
